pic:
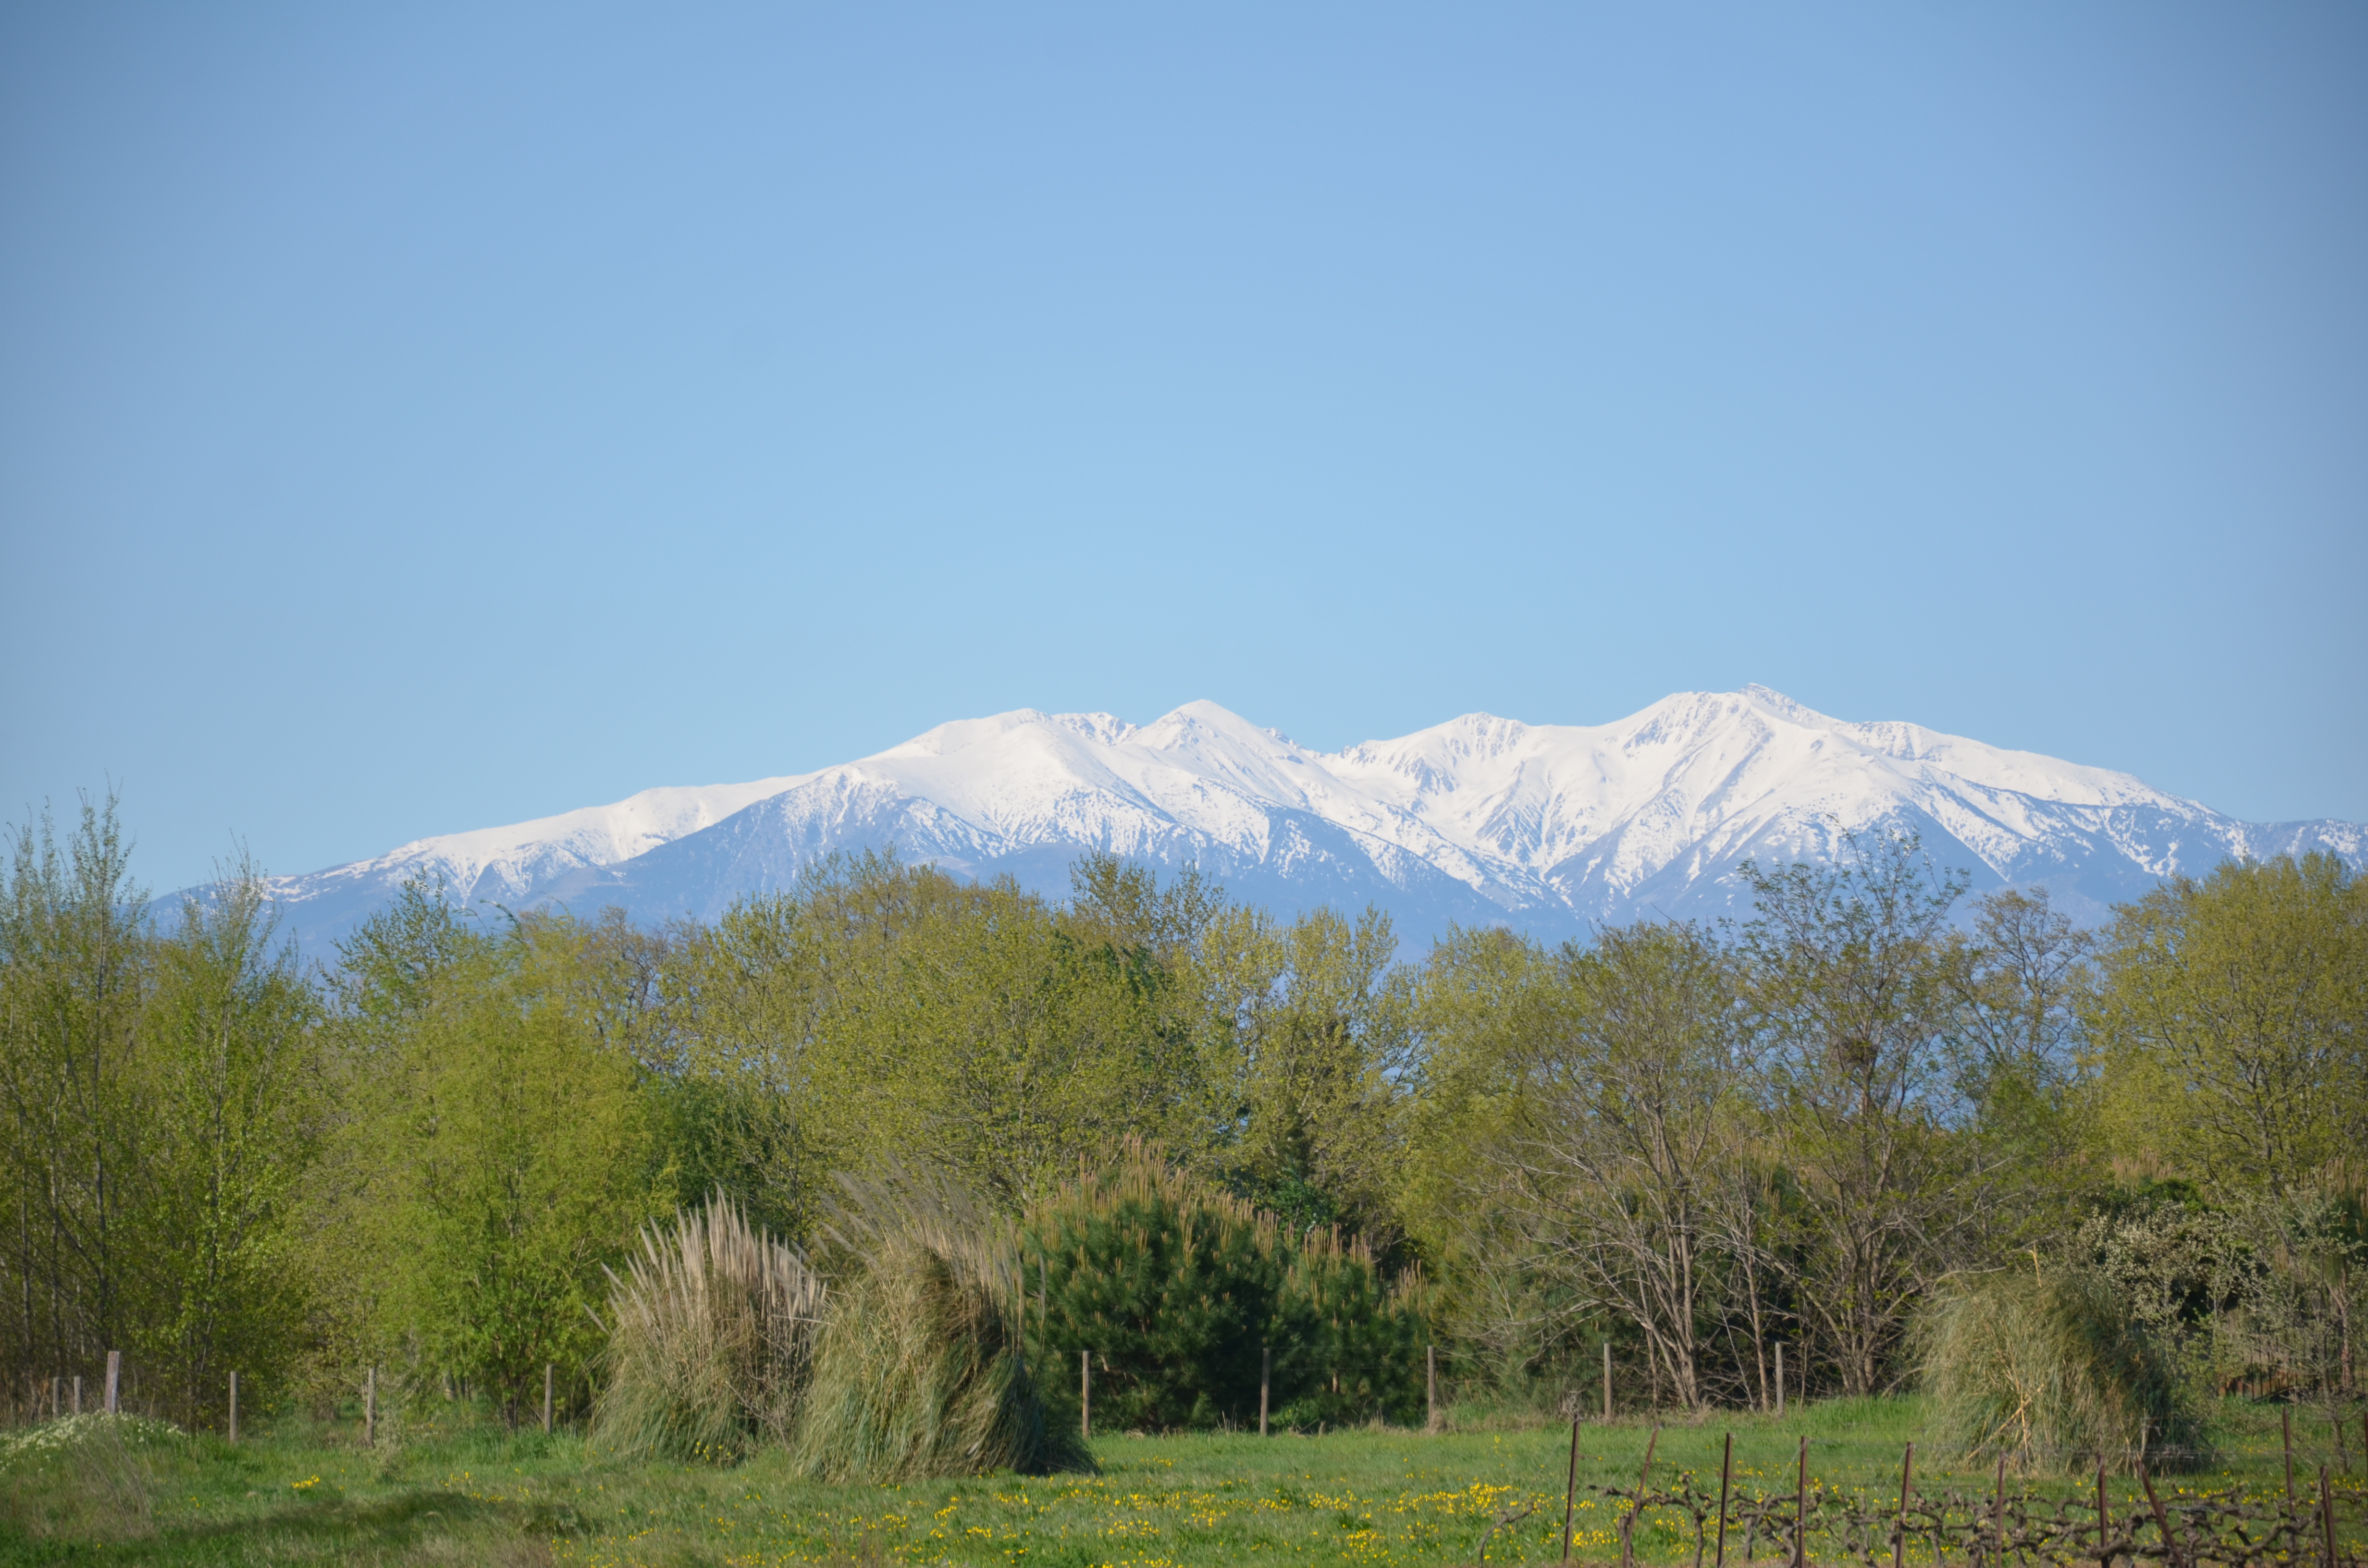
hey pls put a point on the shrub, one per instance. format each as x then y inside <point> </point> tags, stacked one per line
<point>1171,1286</point>
<point>88,1479</point>
<point>711,1328</point>
<point>1353,1341</point>
<point>1176,1289</point>
<point>2051,1371</point>
<point>919,1367</point>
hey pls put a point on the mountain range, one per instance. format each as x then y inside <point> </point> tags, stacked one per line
<point>1549,828</point>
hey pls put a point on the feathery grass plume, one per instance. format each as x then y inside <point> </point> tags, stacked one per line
<point>2049,1369</point>
<point>919,1368</point>
<point>709,1345</point>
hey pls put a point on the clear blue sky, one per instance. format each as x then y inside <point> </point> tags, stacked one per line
<point>418,417</point>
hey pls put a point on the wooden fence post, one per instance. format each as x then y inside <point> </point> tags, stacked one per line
<point>1085,1394</point>
<point>2286,1427</point>
<point>546,1398</point>
<point>77,1393</point>
<point>234,1407</point>
<point>1899,1531</point>
<point>369,1408</point>
<point>114,1378</point>
<point>1801,1510</point>
<point>1570,1487</point>
<point>1780,1380</point>
<point>2000,1514</point>
<point>1265,1376</point>
<point>1725,1475</point>
<point>1430,1388</point>
<point>2104,1538</point>
<point>1607,1379</point>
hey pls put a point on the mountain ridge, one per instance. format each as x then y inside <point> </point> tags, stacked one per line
<point>1478,819</point>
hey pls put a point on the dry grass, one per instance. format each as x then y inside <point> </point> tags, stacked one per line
<point>2048,1370</point>
<point>919,1368</point>
<point>711,1329</point>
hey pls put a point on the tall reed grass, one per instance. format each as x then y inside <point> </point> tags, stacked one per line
<point>920,1366</point>
<point>2049,1370</point>
<point>712,1330</point>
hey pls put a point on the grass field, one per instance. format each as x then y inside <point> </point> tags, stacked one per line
<point>478,1495</point>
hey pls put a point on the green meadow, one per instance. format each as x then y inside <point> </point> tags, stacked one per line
<point>1485,1491</point>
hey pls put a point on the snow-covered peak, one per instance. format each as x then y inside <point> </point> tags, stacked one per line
<point>1480,817</point>
<point>503,862</point>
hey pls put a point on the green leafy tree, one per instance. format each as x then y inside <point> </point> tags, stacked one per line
<point>2229,1023</point>
<point>1318,1051</point>
<point>1845,976</point>
<point>1173,1288</point>
<point>498,1150</point>
<point>232,1062</point>
<point>75,970</point>
<point>1186,1296</point>
<point>1352,1340</point>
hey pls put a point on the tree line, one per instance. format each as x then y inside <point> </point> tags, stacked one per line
<point>1702,1145</point>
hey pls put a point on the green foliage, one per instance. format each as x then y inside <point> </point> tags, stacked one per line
<point>1352,1342</point>
<point>160,1106</point>
<point>1694,1144</point>
<point>2229,1023</point>
<point>1318,1050</point>
<point>1172,1286</point>
<point>1179,1291</point>
<point>236,1111</point>
<point>76,973</point>
<point>2047,1369</point>
<point>1846,972</point>
<point>495,1148</point>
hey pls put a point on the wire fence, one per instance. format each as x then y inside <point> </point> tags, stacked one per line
<point>2320,1522</point>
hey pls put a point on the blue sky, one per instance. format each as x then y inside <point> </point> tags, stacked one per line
<point>420,417</point>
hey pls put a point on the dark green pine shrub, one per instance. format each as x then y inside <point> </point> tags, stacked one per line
<point>1172,1286</point>
<point>1350,1342</point>
<point>1176,1289</point>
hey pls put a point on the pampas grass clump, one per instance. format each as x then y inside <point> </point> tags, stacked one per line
<point>711,1327</point>
<point>919,1369</point>
<point>2051,1371</point>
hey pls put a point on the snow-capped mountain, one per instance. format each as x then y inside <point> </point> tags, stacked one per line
<point>1545,827</point>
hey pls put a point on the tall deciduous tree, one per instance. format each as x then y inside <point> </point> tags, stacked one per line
<point>75,975</point>
<point>231,1058</point>
<point>2231,1022</point>
<point>1633,1114</point>
<point>496,1151</point>
<point>1846,978</point>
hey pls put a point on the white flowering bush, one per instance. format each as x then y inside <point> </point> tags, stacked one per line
<point>68,1433</point>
